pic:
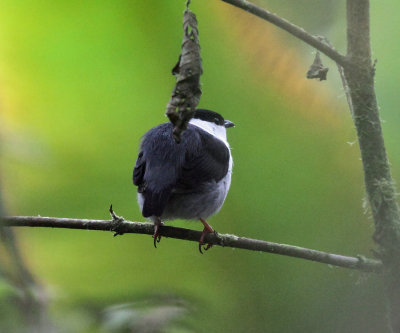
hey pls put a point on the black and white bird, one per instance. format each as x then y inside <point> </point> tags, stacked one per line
<point>187,180</point>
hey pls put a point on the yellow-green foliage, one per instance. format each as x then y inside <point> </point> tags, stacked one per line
<point>81,81</point>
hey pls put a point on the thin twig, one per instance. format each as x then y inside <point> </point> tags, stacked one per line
<point>291,28</point>
<point>122,226</point>
<point>346,88</point>
<point>342,77</point>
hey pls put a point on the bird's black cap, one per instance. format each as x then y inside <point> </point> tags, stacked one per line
<point>213,117</point>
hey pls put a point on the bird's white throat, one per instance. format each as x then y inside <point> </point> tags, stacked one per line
<point>216,130</point>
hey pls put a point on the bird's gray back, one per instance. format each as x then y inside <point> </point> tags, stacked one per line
<point>186,180</point>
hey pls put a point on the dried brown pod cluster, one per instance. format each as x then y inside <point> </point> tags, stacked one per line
<point>187,91</point>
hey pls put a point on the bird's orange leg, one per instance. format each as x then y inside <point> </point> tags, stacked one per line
<point>207,230</point>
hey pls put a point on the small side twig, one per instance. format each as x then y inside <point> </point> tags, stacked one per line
<point>116,222</point>
<point>124,226</point>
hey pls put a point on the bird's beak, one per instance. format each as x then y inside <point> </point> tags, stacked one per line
<point>228,124</point>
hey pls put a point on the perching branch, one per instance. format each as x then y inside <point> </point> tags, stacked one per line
<point>121,226</point>
<point>315,41</point>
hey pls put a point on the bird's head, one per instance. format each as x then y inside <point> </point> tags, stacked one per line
<point>211,122</point>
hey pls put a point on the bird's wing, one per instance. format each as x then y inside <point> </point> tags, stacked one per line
<point>138,171</point>
<point>209,162</point>
<point>163,165</point>
<point>157,168</point>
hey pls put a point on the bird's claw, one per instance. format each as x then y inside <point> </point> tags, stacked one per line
<point>207,230</point>
<point>156,235</point>
<point>156,239</point>
<point>204,247</point>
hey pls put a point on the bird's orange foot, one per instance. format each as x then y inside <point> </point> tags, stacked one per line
<point>207,230</point>
<point>156,235</point>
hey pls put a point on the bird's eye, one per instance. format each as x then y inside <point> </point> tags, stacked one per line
<point>216,120</point>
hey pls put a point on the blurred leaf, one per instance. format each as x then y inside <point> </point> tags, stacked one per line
<point>150,316</point>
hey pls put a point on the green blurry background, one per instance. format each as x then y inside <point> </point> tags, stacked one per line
<point>81,81</point>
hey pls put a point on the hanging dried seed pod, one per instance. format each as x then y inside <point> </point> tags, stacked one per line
<point>187,91</point>
<point>317,69</point>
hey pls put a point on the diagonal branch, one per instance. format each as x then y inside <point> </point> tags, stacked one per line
<point>300,33</point>
<point>121,226</point>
